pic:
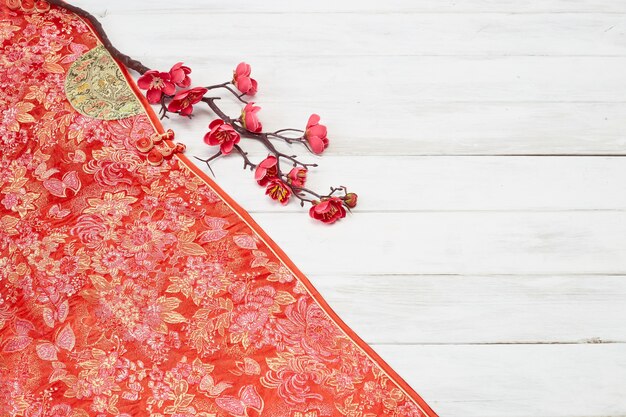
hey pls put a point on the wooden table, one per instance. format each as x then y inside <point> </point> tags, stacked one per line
<point>486,140</point>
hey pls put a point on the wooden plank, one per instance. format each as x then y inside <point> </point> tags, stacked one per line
<point>358,6</point>
<point>374,34</point>
<point>385,309</point>
<point>516,125</point>
<point>520,105</point>
<point>352,79</point>
<point>420,128</point>
<point>444,183</point>
<point>553,243</point>
<point>516,380</point>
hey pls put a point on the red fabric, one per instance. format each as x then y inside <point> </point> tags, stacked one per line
<point>130,284</point>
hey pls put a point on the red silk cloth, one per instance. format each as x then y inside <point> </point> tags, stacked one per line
<point>130,284</point>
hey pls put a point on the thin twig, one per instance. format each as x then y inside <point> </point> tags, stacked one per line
<point>265,138</point>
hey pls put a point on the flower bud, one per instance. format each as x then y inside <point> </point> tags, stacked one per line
<point>350,199</point>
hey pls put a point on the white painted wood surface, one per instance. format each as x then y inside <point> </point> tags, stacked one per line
<point>487,259</point>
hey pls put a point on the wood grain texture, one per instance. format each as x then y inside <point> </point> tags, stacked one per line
<point>486,139</point>
<point>356,7</point>
<point>442,105</point>
<point>516,380</point>
<point>466,184</point>
<point>497,309</point>
<point>524,242</point>
<point>455,128</point>
<point>392,34</point>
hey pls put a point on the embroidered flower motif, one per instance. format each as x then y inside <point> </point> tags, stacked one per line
<point>112,206</point>
<point>308,413</point>
<point>306,327</point>
<point>17,114</point>
<point>146,237</point>
<point>294,378</point>
<point>242,80</point>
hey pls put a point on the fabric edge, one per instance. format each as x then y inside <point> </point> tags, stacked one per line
<point>278,252</point>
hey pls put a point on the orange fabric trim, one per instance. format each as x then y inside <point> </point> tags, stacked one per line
<point>245,216</point>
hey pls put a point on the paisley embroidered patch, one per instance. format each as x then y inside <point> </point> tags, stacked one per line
<point>96,87</point>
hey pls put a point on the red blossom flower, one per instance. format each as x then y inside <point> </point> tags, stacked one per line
<point>266,171</point>
<point>328,210</point>
<point>222,134</point>
<point>297,176</point>
<point>351,199</point>
<point>249,118</point>
<point>179,75</point>
<point>157,83</point>
<point>183,102</point>
<point>279,191</point>
<point>315,134</point>
<point>242,80</point>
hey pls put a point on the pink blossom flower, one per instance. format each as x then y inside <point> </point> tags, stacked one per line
<point>266,170</point>
<point>222,134</point>
<point>10,201</point>
<point>278,191</point>
<point>315,134</point>
<point>179,75</point>
<point>242,80</point>
<point>157,83</point>
<point>297,176</point>
<point>329,210</point>
<point>249,118</point>
<point>183,101</point>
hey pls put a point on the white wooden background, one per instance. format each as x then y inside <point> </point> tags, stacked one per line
<point>486,138</point>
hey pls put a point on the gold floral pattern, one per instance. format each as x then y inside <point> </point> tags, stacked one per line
<point>97,88</point>
<point>129,288</point>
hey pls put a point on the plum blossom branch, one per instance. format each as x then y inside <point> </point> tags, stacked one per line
<point>283,174</point>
